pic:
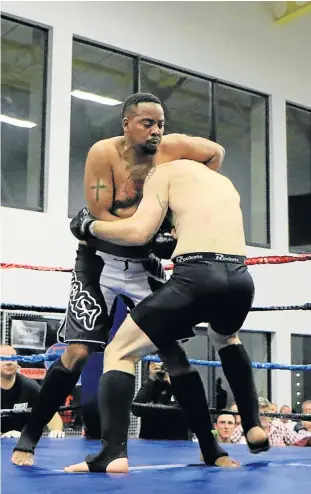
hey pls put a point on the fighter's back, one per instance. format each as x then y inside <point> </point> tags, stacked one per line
<point>206,210</point>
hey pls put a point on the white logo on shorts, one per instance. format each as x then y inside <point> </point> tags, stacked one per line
<point>188,258</point>
<point>20,406</point>
<point>83,305</point>
<point>223,257</point>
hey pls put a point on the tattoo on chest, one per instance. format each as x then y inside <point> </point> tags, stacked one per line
<point>132,187</point>
<point>97,187</point>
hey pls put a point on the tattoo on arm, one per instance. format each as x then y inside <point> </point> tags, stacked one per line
<point>97,187</point>
<point>163,205</point>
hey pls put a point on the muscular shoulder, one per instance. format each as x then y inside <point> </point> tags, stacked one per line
<point>106,147</point>
<point>173,145</point>
<point>102,155</point>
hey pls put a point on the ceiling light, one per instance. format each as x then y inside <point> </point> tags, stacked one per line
<point>17,122</point>
<point>96,98</point>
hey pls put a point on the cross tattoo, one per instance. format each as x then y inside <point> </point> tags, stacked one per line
<point>97,187</point>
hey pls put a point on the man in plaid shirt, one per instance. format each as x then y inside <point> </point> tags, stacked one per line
<point>277,433</point>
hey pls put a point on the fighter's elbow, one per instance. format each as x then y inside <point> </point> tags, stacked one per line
<point>140,235</point>
<point>218,156</point>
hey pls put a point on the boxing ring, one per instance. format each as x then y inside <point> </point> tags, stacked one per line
<point>160,466</point>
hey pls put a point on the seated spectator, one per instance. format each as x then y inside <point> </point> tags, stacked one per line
<point>278,434</point>
<point>224,425</point>
<point>19,393</point>
<point>303,428</point>
<point>234,408</point>
<point>273,408</point>
<point>157,423</point>
<point>290,424</point>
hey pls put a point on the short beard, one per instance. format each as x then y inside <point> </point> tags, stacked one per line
<point>145,149</point>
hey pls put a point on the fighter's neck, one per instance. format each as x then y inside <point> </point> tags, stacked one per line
<point>135,157</point>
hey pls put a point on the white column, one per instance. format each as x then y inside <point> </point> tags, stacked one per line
<point>281,379</point>
<point>278,175</point>
<point>58,125</point>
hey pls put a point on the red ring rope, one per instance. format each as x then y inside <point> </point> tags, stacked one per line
<point>251,261</point>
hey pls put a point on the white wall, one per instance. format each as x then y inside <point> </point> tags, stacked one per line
<point>234,41</point>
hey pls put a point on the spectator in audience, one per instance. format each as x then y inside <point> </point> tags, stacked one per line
<point>234,408</point>
<point>278,434</point>
<point>19,393</point>
<point>303,428</point>
<point>159,423</point>
<point>273,408</point>
<point>290,424</point>
<point>224,425</point>
<point>305,424</point>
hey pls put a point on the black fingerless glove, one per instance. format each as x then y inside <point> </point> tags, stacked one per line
<point>81,223</point>
<point>163,246</point>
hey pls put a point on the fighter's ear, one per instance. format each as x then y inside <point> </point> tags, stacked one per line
<point>125,123</point>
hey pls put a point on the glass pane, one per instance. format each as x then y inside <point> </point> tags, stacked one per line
<point>101,80</point>
<point>299,178</point>
<point>256,344</point>
<point>242,130</point>
<point>301,381</point>
<point>23,66</point>
<point>186,99</point>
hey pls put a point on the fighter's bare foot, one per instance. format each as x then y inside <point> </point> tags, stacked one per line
<point>224,461</point>
<point>22,459</point>
<point>120,465</point>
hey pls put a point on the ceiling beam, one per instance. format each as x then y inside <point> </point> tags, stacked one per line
<point>292,10</point>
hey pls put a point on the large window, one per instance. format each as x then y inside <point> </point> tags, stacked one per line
<point>242,129</point>
<point>23,105</point>
<point>101,80</point>
<point>301,381</point>
<point>299,177</point>
<point>186,99</point>
<point>258,347</point>
<point>237,119</point>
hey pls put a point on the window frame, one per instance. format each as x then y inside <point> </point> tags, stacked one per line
<point>138,59</point>
<point>42,205</point>
<point>294,106</point>
<point>266,245</point>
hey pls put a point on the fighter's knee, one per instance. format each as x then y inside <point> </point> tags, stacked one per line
<point>175,360</point>
<point>76,354</point>
<point>221,341</point>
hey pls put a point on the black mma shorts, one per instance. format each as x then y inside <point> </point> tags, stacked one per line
<point>204,287</point>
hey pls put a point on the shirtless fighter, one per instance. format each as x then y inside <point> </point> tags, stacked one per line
<point>114,175</point>
<point>210,282</point>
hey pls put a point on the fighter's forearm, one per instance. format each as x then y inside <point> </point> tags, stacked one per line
<point>123,232</point>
